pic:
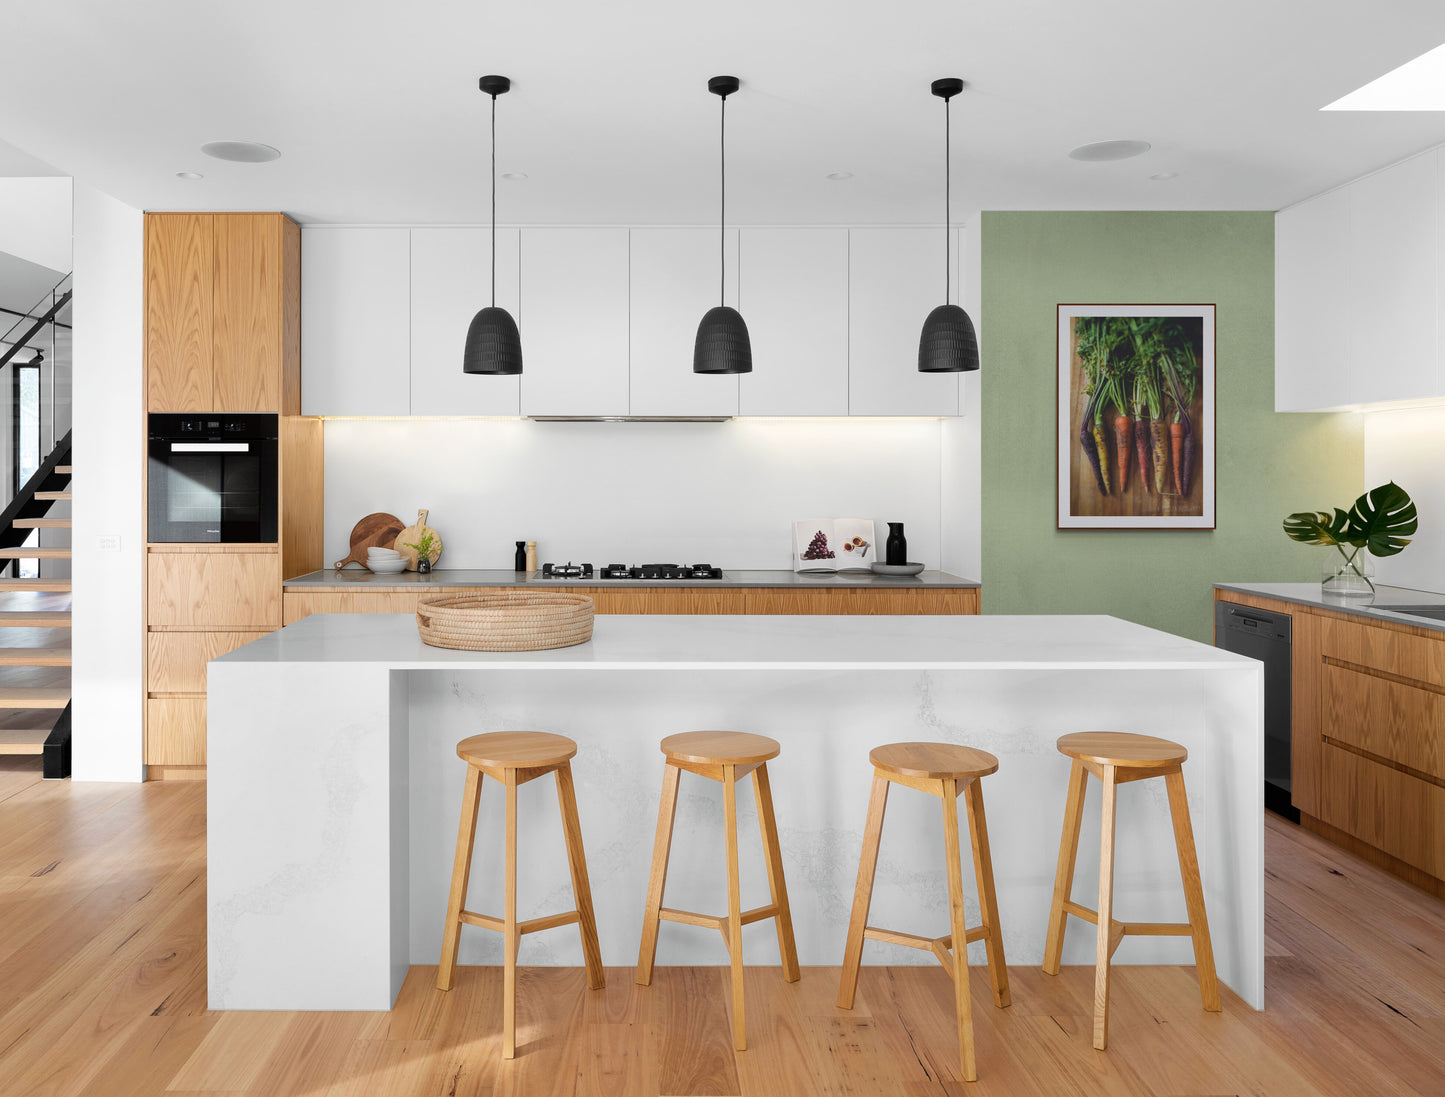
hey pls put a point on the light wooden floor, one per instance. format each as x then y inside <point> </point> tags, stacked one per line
<point>102,992</point>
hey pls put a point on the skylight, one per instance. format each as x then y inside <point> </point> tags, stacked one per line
<point>1415,85</point>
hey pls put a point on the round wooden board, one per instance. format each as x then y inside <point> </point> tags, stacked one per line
<point>377,530</point>
<point>412,535</point>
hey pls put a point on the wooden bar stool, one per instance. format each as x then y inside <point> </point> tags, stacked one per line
<point>513,758</point>
<point>1114,758</point>
<point>720,756</point>
<point>939,769</point>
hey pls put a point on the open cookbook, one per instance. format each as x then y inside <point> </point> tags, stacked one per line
<point>834,544</point>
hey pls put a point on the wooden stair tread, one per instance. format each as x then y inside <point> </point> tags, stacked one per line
<point>23,740</point>
<point>34,696</point>
<point>35,619</point>
<point>35,657</point>
<point>64,470</point>
<point>41,523</point>
<point>34,584</point>
<point>52,495</point>
<point>21,552</point>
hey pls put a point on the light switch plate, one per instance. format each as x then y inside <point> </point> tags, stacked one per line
<point>108,542</point>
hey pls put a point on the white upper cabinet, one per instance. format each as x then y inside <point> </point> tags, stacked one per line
<point>451,281</point>
<point>793,293</point>
<point>574,341</point>
<point>354,322</point>
<point>1358,292</point>
<point>895,280</point>
<point>675,280</point>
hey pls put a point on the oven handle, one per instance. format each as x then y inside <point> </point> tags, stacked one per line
<point>210,447</point>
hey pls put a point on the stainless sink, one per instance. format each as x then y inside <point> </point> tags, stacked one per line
<point>1435,613</point>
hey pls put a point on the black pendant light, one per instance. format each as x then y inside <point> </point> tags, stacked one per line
<point>722,344</point>
<point>948,343</point>
<point>493,345</point>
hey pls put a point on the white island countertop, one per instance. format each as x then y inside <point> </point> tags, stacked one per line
<point>740,642</point>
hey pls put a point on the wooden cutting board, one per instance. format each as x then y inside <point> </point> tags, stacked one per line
<point>377,530</point>
<point>412,535</point>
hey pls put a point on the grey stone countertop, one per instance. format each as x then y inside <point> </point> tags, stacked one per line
<point>1379,608</point>
<point>352,578</point>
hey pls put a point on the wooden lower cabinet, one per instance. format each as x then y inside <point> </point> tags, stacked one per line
<point>176,661</point>
<point>688,600</point>
<point>213,590</point>
<point>175,731</point>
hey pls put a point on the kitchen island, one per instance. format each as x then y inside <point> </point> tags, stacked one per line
<point>335,789</point>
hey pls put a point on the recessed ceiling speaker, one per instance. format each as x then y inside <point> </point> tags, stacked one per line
<point>1101,151</point>
<point>241,152</point>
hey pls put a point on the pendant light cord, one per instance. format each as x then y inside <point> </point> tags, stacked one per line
<point>723,205</point>
<point>494,200</point>
<point>947,193</point>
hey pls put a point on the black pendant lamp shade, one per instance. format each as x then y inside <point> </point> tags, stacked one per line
<point>494,347</point>
<point>722,344</point>
<point>948,343</point>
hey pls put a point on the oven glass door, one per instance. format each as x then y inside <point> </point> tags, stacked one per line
<point>213,491</point>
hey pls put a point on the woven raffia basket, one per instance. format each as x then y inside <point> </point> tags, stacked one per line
<point>513,620</point>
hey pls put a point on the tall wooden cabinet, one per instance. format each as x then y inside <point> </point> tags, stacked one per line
<point>222,335</point>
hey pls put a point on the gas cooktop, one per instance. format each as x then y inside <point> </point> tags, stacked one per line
<point>570,570</point>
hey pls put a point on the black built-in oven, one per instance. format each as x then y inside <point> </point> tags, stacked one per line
<point>213,478</point>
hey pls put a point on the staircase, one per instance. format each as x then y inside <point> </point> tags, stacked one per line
<point>35,624</point>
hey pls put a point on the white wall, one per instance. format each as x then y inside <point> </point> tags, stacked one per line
<point>107,640</point>
<point>1409,447</point>
<point>725,493</point>
<point>35,220</point>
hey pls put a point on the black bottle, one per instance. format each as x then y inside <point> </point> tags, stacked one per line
<point>897,545</point>
<point>521,561</point>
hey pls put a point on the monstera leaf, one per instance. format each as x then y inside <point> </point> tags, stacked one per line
<point>1381,517</point>
<point>1318,527</point>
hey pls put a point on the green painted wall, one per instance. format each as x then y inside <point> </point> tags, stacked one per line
<point>1267,464</point>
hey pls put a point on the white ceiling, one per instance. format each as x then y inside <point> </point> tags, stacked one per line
<point>376,110</point>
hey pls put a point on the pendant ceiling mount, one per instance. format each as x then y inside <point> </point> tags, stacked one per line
<point>723,344</point>
<point>948,343</point>
<point>494,346</point>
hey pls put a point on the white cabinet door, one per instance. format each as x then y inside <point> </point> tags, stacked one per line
<point>354,316</point>
<point>793,293</point>
<point>1313,350</point>
<point>895,280</point>
<point>1395,249</point>
<point>451,281</point>
<point>574,343</point>
<point>675,280</point>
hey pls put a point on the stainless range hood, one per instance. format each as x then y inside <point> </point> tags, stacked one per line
<point>630,418</point>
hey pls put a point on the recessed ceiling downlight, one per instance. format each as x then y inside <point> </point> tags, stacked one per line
<point>514,176</point>
<point>838,176</point>
<point>189,175</point>
<point>1100,151</point>
<point>241,152</point>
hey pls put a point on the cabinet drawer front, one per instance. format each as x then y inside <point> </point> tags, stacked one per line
<point>175,731</point>
<point>177,662</point>
<point>214,590</point>
<point>689,600</point>
<point>304,605</point>
<point>1399,721</point>
<point>1382,648</point>
<point>1392,811</point>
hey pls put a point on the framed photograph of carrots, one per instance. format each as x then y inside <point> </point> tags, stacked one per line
<point>1136,416</point>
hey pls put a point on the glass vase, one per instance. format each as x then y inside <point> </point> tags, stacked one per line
<point>1349,572</point>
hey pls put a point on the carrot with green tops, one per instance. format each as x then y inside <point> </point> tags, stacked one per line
<point>1177,434</point>
<point>1123,432</point>
<point>1160,445</point>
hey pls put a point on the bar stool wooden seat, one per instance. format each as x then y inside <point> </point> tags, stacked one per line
<point>1115,758</point>
<point>942,770</point>
<point>722,756</point>
<point>512,758</point>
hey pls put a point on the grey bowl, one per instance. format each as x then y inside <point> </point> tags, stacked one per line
<point>897,569</point>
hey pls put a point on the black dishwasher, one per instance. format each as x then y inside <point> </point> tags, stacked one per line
<point>1265,636</point>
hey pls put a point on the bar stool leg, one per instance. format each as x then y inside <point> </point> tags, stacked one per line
<point>735,905</point>
<point>783,920</point>
<point>461,873</point>
<point>509,927</point>
<point>863,893</point>
<point>987,898</point>
<point>962,1003</point>
<point>1106,910</point>
<point>581,889</point>
<point>661,849</point>
<point>1064,878</point>
<point>1193,891</point>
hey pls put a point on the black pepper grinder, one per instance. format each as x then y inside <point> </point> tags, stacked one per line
<point>521,556</point>
<point>897,545</point>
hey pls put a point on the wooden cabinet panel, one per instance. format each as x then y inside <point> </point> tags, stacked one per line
<point>691,600</point>
<point>179,261</point>
<point>175,731</point>
<point>214,590</point>
<point>177,661</point>
<point>929,601</point>
<point>1392,719</point>
<point>247,312</point>
<point>1305,741</point>
<point>1392,811</point>
<point>304,605</point>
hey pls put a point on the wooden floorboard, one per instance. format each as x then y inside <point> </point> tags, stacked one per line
<point>103,994</point>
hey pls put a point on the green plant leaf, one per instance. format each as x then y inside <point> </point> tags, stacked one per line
<point>1318,527</point>
<point>1381,519</point>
